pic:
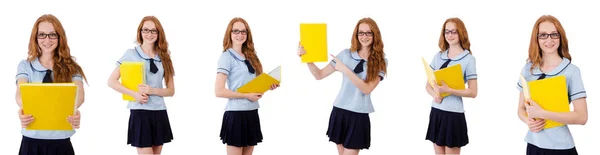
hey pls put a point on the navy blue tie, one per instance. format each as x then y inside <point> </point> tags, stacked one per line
<point>542,76</point>
<point>250,68</point>
<point>445,64</point>
<point>153,67</point>
<point>359,66</point>
<point>47,77</point>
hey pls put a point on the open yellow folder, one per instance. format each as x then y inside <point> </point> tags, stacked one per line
<point>525,88</point>
<point>313,36</point>
<point>451,75</point>
<point>262,83</point>
<point>550,93</point>
<point>49,103</point>
<point>429,73</point>
<point>132,75</point>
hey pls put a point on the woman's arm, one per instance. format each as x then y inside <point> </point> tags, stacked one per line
<point>430,90</point>
<point>522,111</point>
<point>579,115</point>
<point>18,94</point>
<point>320,73</point>
<point>113,82</point>
<point>365,87</point>
<point>164,92</point>
<point>471,91</point>
<point>314,70</point>
<point>534,125</point>
<point>221,91</point>
<point>80,93</point>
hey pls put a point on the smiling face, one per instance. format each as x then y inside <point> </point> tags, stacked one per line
<point>451,34</point>
<point>548,38</point>
<point>149,32</point>
<point>47,37</point>
<point>239,33</point>
<point>365,35</point>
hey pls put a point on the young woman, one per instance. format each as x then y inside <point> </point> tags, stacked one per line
<point>447,124</point>
<point>49,60</point>
<point>238,65</point>
<point>548,57</point>
<point>363,65</point>
<point>149,126</point>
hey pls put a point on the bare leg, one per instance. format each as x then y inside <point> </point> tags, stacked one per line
<point>232,150</point>
<point>439,149</point>
<point>145,151</point>
<point>453,150</point>
<point>157,149</point>
<point>340,149</point>
<point>351,151</point>
<point>248,150</point>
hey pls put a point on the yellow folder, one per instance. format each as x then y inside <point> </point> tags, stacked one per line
<point>313,36</point>
<point>525,86</point>
<point>262,83</point>
<point>49,103</point>
<point>551,94</point>
<point>132,75</point>
<point>429,73</point>
<point>451,75</point>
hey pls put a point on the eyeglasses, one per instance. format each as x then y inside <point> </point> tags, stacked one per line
<point>551,35</point>
<point>365,33</point>
<point>236,31</point>
<point>153,31</point>
<point>44,36</point>
<point>448,32</point>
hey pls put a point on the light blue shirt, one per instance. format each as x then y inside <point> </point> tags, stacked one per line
<point>453,103</point>
<point>154,80</point>
<point>34,72</point>
<point>350,97</point>
<point>557,137</point>
<point>232,64</point>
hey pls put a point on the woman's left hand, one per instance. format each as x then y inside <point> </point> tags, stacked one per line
<point>444,88</point>
<point>274,86</point>
<point>534,110</point>
<point>75,120</point>
<point>145,89</point>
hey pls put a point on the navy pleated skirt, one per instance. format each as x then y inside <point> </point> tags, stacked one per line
<point>534,150</point>
<point>447,128</point>
<point>30,146</point>
<point>149,128</point>
<point>241,128</point>
<point>351,129</point>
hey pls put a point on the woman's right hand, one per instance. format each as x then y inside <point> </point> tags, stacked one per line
<point>301,50</point>
<point>253,96</point>
<point>536,125</point>
<point>25,119</point>
<point>437,99</point>
<point>436,94</point>
<point>140,97</point>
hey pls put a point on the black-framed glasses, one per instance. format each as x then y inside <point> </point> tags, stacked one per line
<point>236,31</point>
<point>554,35</point>
<point>50,35</point>
<point>448,32</point>
<point>153,31</point>
<point>365,33</point>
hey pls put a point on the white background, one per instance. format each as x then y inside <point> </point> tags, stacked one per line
<point>294,117</point>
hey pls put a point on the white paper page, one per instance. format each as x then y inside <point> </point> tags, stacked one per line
<point>276,73</point>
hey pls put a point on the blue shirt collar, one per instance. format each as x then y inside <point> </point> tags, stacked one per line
<point>444,55</point>
<point>143,55</point>
<point>235,54</point>
<point>565,62</point>
<point>37,65</point>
